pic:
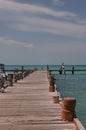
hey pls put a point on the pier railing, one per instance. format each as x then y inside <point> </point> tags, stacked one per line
<point>67,70</point>
<point>13,77</point>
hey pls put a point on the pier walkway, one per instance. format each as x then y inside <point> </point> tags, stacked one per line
<point>28,105</point>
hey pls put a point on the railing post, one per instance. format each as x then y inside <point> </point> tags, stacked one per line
<point>68,109</point>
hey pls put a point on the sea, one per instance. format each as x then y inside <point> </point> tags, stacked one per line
<point>69,85</point>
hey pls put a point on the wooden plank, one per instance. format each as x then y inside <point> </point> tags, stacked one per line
<point>29,106</point>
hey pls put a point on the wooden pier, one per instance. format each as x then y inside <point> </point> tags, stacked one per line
<point>28,105</point>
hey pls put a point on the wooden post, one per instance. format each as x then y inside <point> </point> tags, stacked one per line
<point>1,84</point>
<point>73,70</point>
<point>56,97</point>
<point>9,81</point>
<point>68,109</point>
<point>51,85</point>
<point>15,78</point>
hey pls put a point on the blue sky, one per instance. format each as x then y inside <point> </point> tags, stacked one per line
<point>42,31</point>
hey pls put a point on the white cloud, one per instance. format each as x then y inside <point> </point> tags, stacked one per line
<point>14,12</point>
<point>51,26</point>
<point>4,40</point>
<point>15,6</point>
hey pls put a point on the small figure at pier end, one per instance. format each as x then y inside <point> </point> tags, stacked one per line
<point>62,69</point>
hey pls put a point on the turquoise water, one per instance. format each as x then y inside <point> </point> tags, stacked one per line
<point>9,67</point>
<point>69,85</point>
<point>74,86</point>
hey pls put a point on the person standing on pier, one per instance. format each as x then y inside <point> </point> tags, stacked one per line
<point>62,66</point>
<point>62,69</point>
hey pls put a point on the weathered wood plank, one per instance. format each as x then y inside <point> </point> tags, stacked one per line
<point>29,106</point>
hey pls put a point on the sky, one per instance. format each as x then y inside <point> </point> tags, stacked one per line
<point>36,32</point>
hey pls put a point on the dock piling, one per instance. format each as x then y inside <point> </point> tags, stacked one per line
<point>56,98</point>
<point>68,109</point>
